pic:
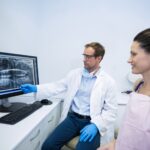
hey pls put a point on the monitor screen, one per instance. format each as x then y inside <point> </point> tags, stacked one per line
<point>15,70</point>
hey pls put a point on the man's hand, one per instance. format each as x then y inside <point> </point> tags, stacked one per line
<point>88,133</point>
<point>28,88</point>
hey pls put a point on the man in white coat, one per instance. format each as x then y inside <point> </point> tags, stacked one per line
<point>90,105</point>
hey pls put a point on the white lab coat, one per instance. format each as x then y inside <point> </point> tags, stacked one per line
<point>103,101</point>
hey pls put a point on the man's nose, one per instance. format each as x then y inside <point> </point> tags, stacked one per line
<point>129,60</point>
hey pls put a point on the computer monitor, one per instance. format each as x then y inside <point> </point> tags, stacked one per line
<point>15,70</point>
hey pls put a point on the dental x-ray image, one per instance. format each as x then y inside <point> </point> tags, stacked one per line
<point>16,70</point>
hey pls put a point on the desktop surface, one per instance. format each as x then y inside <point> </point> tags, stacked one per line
<point>13,135</point>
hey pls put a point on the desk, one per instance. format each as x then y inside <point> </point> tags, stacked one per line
<point>30,133</point>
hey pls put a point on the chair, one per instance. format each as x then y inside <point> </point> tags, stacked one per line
<point>72,143</point>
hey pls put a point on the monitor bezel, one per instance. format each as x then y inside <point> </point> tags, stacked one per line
<point>35,70</point>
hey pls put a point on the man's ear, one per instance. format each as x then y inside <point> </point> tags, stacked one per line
<point>100,58</point>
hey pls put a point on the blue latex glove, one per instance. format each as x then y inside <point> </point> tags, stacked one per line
<point>28,88</point>
<point>88,133</point>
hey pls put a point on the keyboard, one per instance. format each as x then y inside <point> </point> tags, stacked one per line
<point>20,114</point>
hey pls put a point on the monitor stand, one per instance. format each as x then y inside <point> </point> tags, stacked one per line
<point>6,106</point>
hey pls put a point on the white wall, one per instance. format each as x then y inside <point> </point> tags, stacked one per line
<point>56,31</point>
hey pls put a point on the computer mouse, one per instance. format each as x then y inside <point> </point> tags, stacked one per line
<point>46,102</point>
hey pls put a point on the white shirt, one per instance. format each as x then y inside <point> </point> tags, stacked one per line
<point>81,101</point>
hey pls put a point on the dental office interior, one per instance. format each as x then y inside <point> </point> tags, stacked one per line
<point>55,31</point>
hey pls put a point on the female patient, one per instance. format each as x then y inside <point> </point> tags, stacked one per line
<point>134,133</point>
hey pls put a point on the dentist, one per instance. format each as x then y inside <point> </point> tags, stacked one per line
<point>90,105</point>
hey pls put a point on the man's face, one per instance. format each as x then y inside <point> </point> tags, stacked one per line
<point>90,61</point>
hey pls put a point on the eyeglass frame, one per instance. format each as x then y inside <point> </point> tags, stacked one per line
<point>88,56</point>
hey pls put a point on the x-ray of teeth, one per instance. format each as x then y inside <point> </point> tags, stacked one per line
<point>14,72</point>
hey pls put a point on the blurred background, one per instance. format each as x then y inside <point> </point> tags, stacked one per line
<point>56,31</point>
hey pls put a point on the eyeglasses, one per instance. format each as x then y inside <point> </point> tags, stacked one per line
<point>88,56</point>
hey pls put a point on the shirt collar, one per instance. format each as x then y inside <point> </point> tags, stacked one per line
<point>92,74</point>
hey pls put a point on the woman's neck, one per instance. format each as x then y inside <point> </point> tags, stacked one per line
<point>146,78</point>
<point>145,88</point>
